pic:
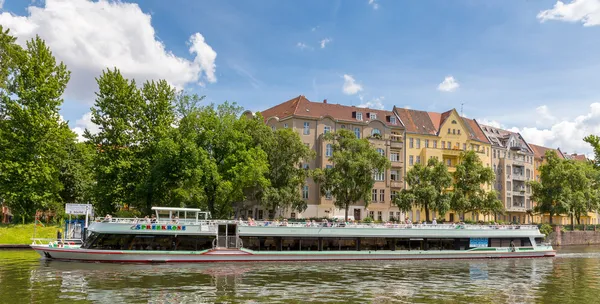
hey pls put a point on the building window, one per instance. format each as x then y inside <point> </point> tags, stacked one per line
<point>494,153</point>
<point>393,195</point>
<point>453,131</point>
<point>465,147</point>
<point>379,216</point>
<point>306,128</point>
<point>487,151</point>
<point>435,144</point>
<point>373,116</point>
<point>358,116</point>
<point>410,160</point>
<point>527,173</point>
<point>374,195</point>
<point>293,215</point>
<point>393,120</point>
<point>328,166</point>
<point>285,126</point>
<point>448,162</point>
<point>507,170</point>
<point>426,143</point>
<point>273,128</point>
<point>372,214</point>
<point>382,195</point>
<point>448,130</point>
<point>418,143</point>
<point>305,166</point>
<point>328,150</point>
<point>379,176</point>
<point>326,129</point>
<point>508,186</point>
<point>260,214</point>
<point>357,132</point>
<point>411,143</point>
<point>458,131</point>
<point>375,131</point>
<point>328,194</point>
<point>381,151</point>
<point>391,216</point>
<point>305,192</point>
<point>395,157</point>
<point>394,175</point>
<point>249,214</point>
<point>449,145</point>
<point>418,159</point>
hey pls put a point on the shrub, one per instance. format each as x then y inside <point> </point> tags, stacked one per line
<point>367,219</point>
<point>546,229</point>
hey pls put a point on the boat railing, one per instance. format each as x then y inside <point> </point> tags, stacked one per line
<point>131,221</point>
<point>383,226</point>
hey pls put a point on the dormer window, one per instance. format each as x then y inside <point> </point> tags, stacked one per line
<point>373,116</point>
<point>454,122</point>
<point>358,116</point>
<point>393,120</point>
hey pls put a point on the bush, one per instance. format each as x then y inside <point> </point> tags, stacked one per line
<point>367,220</point>
<point>546,229</point>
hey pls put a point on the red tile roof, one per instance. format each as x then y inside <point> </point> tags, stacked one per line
<point>540,151</point>
<point>302,107</point>
<point>577,157</point>
<point>476,132</point>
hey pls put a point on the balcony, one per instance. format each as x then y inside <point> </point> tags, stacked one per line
<point>520,177</point>
<point>396,184</point>
<point>396,144</point>
<point>397,164</point>
<point>517,208</point>
<point>451,169</point>
<point>452,152</point>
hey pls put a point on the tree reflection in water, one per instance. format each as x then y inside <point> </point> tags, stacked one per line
<point>572,277</point>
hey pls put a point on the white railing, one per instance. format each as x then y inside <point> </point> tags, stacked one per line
<point>389,225</point>
<point>149,221</point>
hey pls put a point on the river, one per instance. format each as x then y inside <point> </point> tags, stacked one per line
<point>572,277</point>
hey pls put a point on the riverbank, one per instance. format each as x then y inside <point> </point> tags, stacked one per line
<point>22,234</point>
<point>560,237</point>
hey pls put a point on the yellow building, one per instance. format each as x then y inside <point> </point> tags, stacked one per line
<point>443,136</point>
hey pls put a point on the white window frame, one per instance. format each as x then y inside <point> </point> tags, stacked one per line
<point>326,129</point>
<point>306,128</point>
<point>328,150</point>
<point>359,116</point>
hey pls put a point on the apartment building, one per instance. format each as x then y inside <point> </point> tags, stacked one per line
<point>540,159</point>
<point>443,136</point>
<point>312,120</point>
<point>513,164</point>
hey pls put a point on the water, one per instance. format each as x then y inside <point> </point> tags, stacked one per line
<point>572,277</point>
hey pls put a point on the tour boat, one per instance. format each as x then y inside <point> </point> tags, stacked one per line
<point>188,235</point>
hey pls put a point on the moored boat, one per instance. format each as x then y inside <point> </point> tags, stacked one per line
<point>187,235</point>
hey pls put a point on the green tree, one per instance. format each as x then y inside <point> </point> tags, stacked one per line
<point>470,180</point>
<point>32,133</point>
<point>285,151</point>
<point>550,190</point>
<point>426,188</point>
<point>231,162</point>
<point>117,112</point>
<point>350,180</point>
<point>594,141</point>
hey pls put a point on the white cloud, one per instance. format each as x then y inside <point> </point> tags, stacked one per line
<point>567,134</point>
<point>315,28</point>
<point>585,11</point>
<point>350,86</point>
<point>544,117</point>
<point>448,85</point>
<point>302,45</point>
<point>491,123</point>
<point>92,36</point>
<point>324,42</point>
<point>374,4</point>
<point>375,103</point>
<point>1,3</point>
<point>85,122</point>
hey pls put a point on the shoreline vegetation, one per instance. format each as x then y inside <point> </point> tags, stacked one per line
<point>20,234</point>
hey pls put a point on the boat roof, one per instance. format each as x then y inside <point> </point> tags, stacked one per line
<point>177,209</point>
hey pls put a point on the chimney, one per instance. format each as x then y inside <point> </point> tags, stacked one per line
<point>324,100</point>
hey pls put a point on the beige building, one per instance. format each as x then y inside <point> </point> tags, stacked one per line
<point>513,163</point>
<point>313,119</point>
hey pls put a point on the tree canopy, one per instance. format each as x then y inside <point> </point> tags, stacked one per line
<point>427,185</point>
<point>350,179</point>
<point>470,180</point>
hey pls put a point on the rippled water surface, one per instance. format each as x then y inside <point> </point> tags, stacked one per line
<point>572,277</point>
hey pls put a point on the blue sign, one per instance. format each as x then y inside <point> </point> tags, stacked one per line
<point>478,242</point>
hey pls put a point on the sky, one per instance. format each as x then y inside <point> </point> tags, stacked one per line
<point>530,66</point>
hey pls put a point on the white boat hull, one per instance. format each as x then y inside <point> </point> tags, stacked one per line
<point>236,255</point>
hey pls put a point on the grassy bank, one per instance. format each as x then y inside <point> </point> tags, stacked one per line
<point>22,234</point>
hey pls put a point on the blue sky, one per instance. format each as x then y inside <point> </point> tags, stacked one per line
<point>511,67</point>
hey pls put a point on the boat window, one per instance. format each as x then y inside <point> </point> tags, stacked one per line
<point>250,242</point>
<point>373,244</point>
<point>151,242</point>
